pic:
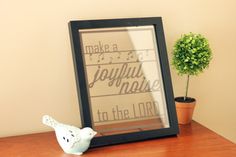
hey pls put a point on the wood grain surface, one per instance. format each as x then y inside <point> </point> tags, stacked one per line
<point>194,140</point>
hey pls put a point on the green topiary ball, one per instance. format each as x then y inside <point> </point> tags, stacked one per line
<point>191,54</point>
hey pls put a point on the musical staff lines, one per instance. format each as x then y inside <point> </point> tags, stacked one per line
<point>110,63</point>
<point>118,57</point>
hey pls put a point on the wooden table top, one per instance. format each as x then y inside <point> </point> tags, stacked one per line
<point>194,140</point>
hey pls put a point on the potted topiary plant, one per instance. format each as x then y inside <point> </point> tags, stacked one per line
<point>191,55</point>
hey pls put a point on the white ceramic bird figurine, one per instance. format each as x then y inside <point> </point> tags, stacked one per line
<point>71,139</point>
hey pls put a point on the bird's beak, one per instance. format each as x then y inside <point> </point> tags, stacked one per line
<point>94,133</point>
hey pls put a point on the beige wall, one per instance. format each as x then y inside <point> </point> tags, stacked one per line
<point>36,68</point>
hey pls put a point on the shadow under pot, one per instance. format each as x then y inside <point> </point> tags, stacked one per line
<point>185,108</point>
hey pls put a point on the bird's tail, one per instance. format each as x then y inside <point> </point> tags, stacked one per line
<point>49,121</point>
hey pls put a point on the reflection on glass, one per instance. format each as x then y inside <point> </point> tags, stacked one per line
<point>124,79</point>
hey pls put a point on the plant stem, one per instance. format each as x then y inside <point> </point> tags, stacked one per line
<point>186,90</point>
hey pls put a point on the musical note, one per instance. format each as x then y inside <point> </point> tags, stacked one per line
<point>139,56</point>
<point>118,57</point>
<point>130,55</point>
<point>100,57</point>
<point>111,58</point>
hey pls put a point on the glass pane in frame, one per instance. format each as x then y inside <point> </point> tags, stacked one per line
<point>124,79</point>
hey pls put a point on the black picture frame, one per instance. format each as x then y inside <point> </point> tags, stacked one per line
<point>82,88</point>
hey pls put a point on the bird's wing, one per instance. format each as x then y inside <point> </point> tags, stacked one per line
<point>74,132</point>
